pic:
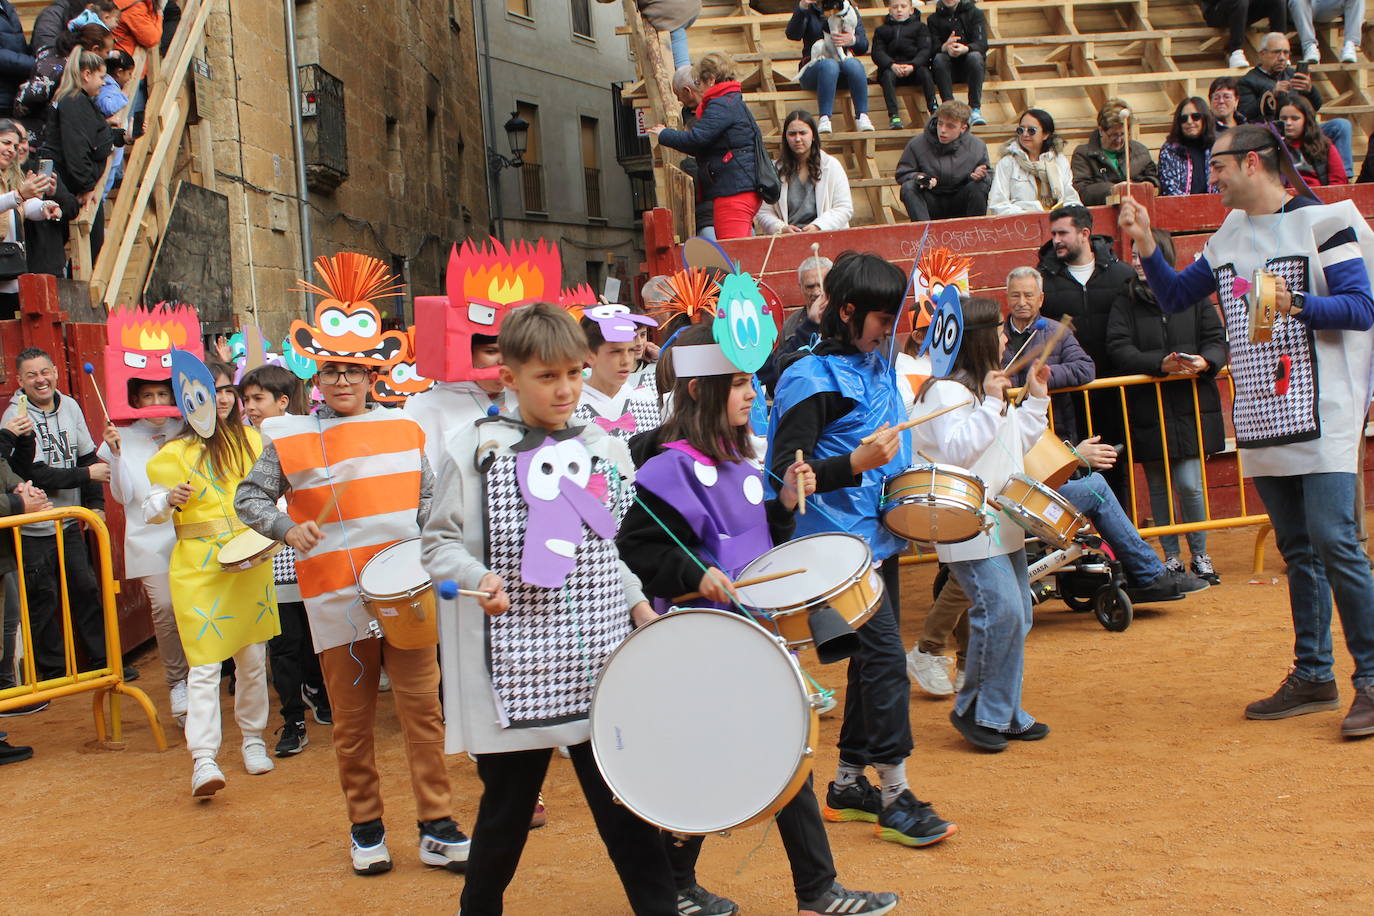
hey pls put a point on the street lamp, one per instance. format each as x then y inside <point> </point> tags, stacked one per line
<point>517,135</point>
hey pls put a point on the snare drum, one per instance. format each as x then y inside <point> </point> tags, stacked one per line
<point>1050,461</point>
<point>751,698</point>
<point>246,550</point>
<point>837,572</point>
<point>398,592</point>
<point>935,504</point>
<point>1040,510</point>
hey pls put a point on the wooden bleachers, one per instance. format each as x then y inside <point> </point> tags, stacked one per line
<point>1066,56</point>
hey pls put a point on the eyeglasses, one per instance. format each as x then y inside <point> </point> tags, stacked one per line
<point>1027,131</point>
<point>352,375</point>
<point>1191,116</point>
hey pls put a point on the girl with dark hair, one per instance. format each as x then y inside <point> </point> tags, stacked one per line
<point>221,614</point>
<point>1033,175</point>
<point>991,440</point>
<point>826,404</point>
<point>815,189</point>
<point>1315,155</point>
<point>701,490</point>
<point>1185,160</point>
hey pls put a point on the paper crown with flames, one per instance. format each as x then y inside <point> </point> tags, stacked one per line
<point>140,349</point>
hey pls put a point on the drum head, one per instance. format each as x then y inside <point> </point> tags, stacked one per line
<point>243,547</point>
<point>934,521</point>
<point>828,561</point>
<point>699,721</point>
<point>394,571</point>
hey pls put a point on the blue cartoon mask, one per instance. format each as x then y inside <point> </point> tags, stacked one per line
<point>744,325</point>
<point>193,387</point>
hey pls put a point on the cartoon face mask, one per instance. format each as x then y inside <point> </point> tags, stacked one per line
<point>553,478</point>
<point>617,322</point>
<point>744,325</point>
<point>401,380</point>
<point>946,332</point>
<point>193,388</point>
<point>348,327</point>
<point>140,347</point>
<point>485,283</point>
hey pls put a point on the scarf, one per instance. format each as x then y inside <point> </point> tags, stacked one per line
<point>715,92</point>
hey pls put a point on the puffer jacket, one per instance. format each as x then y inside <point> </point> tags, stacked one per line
<point>722,141</point>
<point>966,19</point>
<point>905,42</point>
<point>950,163</point>
<point>1094,174</point>
<point>1089,306</point>
<point>16,63</point>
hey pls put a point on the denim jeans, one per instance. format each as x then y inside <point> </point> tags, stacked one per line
<point>999,617</point>
<point>823,75</point>
<point>1186,476</point>
<point>677,40</point>
<point>1304,12</point>
<point>1338,131</point>
<point>1314,524</point>
<point>1093,497</point>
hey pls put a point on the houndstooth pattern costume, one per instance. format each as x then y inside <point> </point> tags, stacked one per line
<point>545,653</point>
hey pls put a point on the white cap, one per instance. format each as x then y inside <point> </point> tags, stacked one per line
<point>697,360</point>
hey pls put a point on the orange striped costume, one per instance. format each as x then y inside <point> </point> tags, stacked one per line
<point>370,464</point>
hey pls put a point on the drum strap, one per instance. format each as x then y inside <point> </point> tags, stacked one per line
<point>208,529</point>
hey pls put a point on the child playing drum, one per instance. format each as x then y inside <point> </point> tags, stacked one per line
<point>220,614</point>
<point>701,490</point>
<point>826,404</point>
<point>991,566</point>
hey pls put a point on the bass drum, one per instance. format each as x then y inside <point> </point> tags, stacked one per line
<point>751,698</point>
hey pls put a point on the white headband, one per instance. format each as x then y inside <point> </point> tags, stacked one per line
<point>701,360</point>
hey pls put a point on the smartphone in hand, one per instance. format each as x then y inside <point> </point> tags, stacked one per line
<point>45,167</point>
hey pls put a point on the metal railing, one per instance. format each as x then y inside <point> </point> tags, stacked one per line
<point>103,681</point>
<point>591,180</point>
<point>532,187</point>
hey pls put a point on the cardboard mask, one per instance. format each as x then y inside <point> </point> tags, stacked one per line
<point>744,327</point>
<point>348,326</point>
<point>140,347</point>
<point>946,332</point>
<point>193,387</point>
<point>400,380</point>
<point>485,282</point>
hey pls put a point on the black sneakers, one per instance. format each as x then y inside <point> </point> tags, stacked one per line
<point>981,737</point>
<point>1295,697</point>
<point>910,822</point>
<point>25,710</point>
<point>318,701</point>
<point>443,845</point>
<point>698,901</point>
<point>1034,733</point>
<point>367,848</point>
<point>12,753</point>
<point>857,802</point>
<point>838,900</point>
<point>293,739</point>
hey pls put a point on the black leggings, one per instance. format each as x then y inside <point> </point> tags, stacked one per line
<point>1235,15</point>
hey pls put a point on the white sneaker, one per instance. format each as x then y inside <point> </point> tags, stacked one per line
<point>178,695</point>
<point>443,845</point>
<point>929,672</point>
<point>206,778</point>
<point>1237,60</point>
<point>383,683</point>
<point>1311,53</point>
<point>823,124</point>
<point>255,759</point>
<point>959,680</point>
<point>863,123</point>
<point>1348,52</point>
<point>367,849</point>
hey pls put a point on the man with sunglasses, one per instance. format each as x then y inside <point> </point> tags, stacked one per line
<point>1275,73</point>
<point>1300,396</point>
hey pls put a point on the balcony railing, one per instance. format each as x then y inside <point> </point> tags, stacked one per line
<point>532,187</point>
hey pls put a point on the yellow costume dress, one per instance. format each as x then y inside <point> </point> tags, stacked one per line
<point>217,612</point>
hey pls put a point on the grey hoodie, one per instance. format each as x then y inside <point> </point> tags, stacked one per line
<point>950,163</point>
<point>62,450</point>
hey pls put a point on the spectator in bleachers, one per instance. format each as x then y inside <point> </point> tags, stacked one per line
<point>1274,74</point>
<point>1233,16</point>
<point>1144,341</point>
<point>1224,94</point>
<point>78,139</point>
<point>902,51</point>
<point>1305,13</point>
<point>1367,170</point>
<point>944,171</point>
<point>1315,155</point>
<point>959,35</point>
<point>815,189</point>
<point>23,191</point>
<point>803,325</point>
<point>1186,156</point>
<point>722,140</point>
<point>140,25</point>
<point>55,19</point>
<point>15,61</point>
<point>1099,165</point>
<point>685,88</point>
<point>822,75</point>
<point>1033,174</point>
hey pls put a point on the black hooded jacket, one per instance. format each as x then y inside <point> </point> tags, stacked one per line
<point>905,42</point>
<point>966,19</point>
<point>1090,307</point>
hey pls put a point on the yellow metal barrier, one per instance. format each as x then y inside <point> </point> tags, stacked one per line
<point>100,682</point>
<point>1244,519</point>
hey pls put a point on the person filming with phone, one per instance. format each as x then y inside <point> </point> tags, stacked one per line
<point>22,197</point>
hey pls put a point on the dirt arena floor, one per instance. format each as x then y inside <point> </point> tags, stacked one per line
<point>1152,795</point>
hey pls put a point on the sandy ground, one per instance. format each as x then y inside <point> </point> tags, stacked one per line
<point>1153,794</point>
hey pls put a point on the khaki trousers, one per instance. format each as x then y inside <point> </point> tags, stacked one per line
<point>948,616</point>
<point>351,680</point>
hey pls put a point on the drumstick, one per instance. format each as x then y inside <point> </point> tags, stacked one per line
<point>801,490</point>
<point>1126,123</point>
<point>745,583</point>
<point>1065,326</point>
<point>1017,354</point>
<point>476,593</point>
<point>333,501</point>
<point>916,422</point>
<point>90,370</point>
